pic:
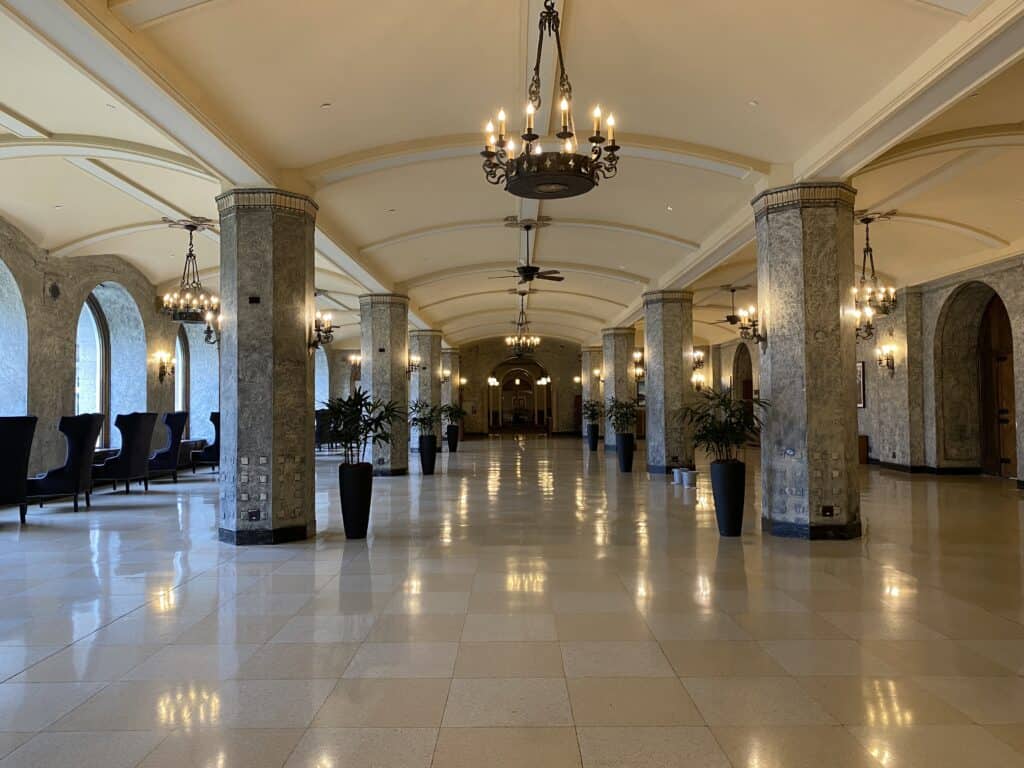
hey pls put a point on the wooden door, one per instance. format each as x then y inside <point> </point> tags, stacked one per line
<point>998,404</point>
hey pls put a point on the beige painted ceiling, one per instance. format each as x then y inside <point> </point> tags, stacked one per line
<point>374,109</point>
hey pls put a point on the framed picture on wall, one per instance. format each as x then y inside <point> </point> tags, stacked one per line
<point>861,392</point>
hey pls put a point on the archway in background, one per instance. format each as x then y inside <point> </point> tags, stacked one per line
<point>122,339</point>
<point>522,407</point>
<point>203,382</point>
<point>742,374</point>
<point>90,360</point>
<point>322,378</point>
<point>975,408</point>
<point>14,343</point>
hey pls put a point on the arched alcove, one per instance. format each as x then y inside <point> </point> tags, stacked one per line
<point>321,378</point>
<point>203,382</point>
<point>742,374</point>
<point>523,405</point>
<point>14,343</point>
<point>975,410</point>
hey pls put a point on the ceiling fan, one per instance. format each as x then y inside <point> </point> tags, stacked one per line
<point>528,272</point>
<point>732,318</point>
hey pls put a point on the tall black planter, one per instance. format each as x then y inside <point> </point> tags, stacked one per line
<point>624,446</point>
<point>428,453</point>
<point>728,483</point>
<point>452,433</point>
<point>593,433</point>
<point>356,485</point>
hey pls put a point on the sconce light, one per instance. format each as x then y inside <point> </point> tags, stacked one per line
<point>577,379</point>
<point>865,323</point>
<point>748,325</point>
<point>412,366</point>
<point>638,365</point>
<point>518,382</point>
<point>698,381</point>
<point>599,375</point>
<point>356,361</point>
<point>698,359</point>
<point>543,381</point>
<point>463,381</point>
<point>492,382</point>
<point>446,375</point>
<point>164,366</point>
<point>323,330</point>
<point>886,357</point>
<point>211,335</point>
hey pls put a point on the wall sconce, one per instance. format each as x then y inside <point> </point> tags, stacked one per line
<point>638,365</point>
<point>865,323</point>
<point>748,325</point>
<point>543,381</point>
<point>886,358</point>
<point>323,330</point>
<point>356,361</point>
<point>492,382</point>
<point>412,366</point>
<point>164,366</point>
<point>698,359</point>
<point>577,379</point>
<point>599,375</point>
<point>446,375</point>
<point>698,381</point>
<point>463,381</point>
<point>211,335</point>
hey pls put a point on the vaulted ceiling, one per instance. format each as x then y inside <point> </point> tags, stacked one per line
<point>124,111</point>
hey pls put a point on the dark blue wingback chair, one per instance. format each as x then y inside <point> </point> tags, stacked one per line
<point>165,461</point>
<point>16,434</point>
<point>75,477</point>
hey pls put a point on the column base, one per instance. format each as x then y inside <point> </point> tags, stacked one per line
<point>388,472</point>
<point>252,537</point>
<point>658,469</point>
<point>783,530</point>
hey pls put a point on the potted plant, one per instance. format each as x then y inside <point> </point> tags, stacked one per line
<point>592,410</point>
<point>622,416</point>
<point>453,414</point>
<point>358,422</point>
<point>425,418</point>
<point>721,425</point>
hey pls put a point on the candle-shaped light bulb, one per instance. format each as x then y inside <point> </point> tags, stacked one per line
<point>565,114</point>
<point>530,111</point>
<point>538,150</point>
<point>597,120</point>
<point>752,310</point>
<point>510,150</point>
<point>493,143</point>
<point>568,146</point>
<point>501,122</point>
<point>611,128</point>
<point>328,319</point>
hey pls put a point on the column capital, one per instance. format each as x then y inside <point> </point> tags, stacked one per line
<point>383,299</point>
<point>592,349</point>
<point>619,331</point>
<point>806,194</point>
<point>667,297</point>
<point>424,333</point>
<point>267,197</point>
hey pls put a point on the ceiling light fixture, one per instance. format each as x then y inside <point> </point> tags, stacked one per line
<point>881,300</point>
<point>522,342</point>
<point>190,303</point>
<point>540,175</point>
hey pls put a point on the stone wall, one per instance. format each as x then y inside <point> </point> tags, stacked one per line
<point>561,360</point>
<point>53,291</point>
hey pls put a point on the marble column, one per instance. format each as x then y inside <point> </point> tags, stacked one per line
<point>668,340</point>
<point>617,356</point>
<point>425,383</point>
<point>805,270</point>
<point>450,388</point>
<point>384,325</point>
<point>591,359</point>
<point>343,374</point>
<point>266,373</point>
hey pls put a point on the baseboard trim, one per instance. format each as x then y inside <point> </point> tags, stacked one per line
<point>390,472</point>
<point>807,532</point>
<point>253,537</point>
<point>911,469</point>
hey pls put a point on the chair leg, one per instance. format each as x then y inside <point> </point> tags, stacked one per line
<point>145,484</point>
<point>76,502</point>
<point>23,509</point>
<point>174,476</point>
<point>113,485</point>
<point>127,487</point>
<point>88,499</point>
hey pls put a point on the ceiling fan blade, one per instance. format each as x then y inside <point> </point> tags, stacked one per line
<point>501,277</point>
<point>553,278</point>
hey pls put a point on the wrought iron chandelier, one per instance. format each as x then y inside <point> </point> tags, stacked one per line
<point>191,303</point>
<point>534,173</point>
<point>522,341</point>
<point>880,299</point>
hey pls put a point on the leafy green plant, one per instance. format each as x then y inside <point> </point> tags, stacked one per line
<point>592,410</point>
<point>425,417</point>
<point>453,413</point>
<point>621,414</point>
<point>721,424</point>
<point>359,421</point>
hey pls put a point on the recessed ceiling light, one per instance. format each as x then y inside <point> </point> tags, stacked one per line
<point>669,208</point>
<point>390,210</point>
<point>326,105</point>
<point>753,103</point>
<point>58,206</point>
<point>111,106</point>
<point>974,95</point>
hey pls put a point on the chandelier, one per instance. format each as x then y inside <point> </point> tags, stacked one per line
<point>534,173</point>
<point>522,341</point>
<point>879,299</point>
<point>191,303</point>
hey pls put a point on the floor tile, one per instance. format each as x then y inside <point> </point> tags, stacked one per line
<point>15,659</point>
<point>884,625</point>
<point>694,658</point>
<point>498,627</point>
<point>232,628</point>
<point>364,748</point>
<point>224,748</point>
<point>631,701</point>
<point>506,748</point>
<point>614,659</point>
<point>119,749</point>
<point>297,661</point>
<point>181,663</point>
<point>507,702</point>
<point>34,706</point>
<point>384,703</point>
<point>650,748</point>
<point>344,628</point>
<point>403,660</point>
<point>933,657</point>
<point>825,657</point>
<point>428,602</point>
<point>938,746</point>
<point>787,625</point>
<point>509,660</point>
<point>601,626</point>
<point>88,662</point>
<point>754,701</point>
<point>706,625</point>
<point>986,700</point>
<point>412,628</point>
<point>880,702</point>
<point>793,747</point>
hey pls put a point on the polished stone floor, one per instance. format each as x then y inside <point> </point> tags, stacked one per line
<point>528,607</point>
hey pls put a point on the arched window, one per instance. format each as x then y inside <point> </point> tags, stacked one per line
<point>203,381</point>
<point>14,342</point>
<point>181,371</point>
<point>90,360</point>
<point>321,389</point>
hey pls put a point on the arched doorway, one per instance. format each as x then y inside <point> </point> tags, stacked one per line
<point>520,402</point>
<point>14,343</point>
<point>974,383</point>
<point>203,381</point>
<point>742,374</point>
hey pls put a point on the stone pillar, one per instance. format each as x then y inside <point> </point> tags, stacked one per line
<point>809,443</point>
<point>266,382</point>
<point>591,359</point>
<point>450,388</point>
<point>668,340</point>
<point>618,371</point>
<point>343,374</point>
<point>425,383</point>
<point>384,324</point>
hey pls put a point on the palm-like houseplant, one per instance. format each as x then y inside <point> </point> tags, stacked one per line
<point>453,414</point>
<point>592,411</point>
<point>359,422</point>
<point>621,415</point>
<point>721,426</point>
<point>425,418</point>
